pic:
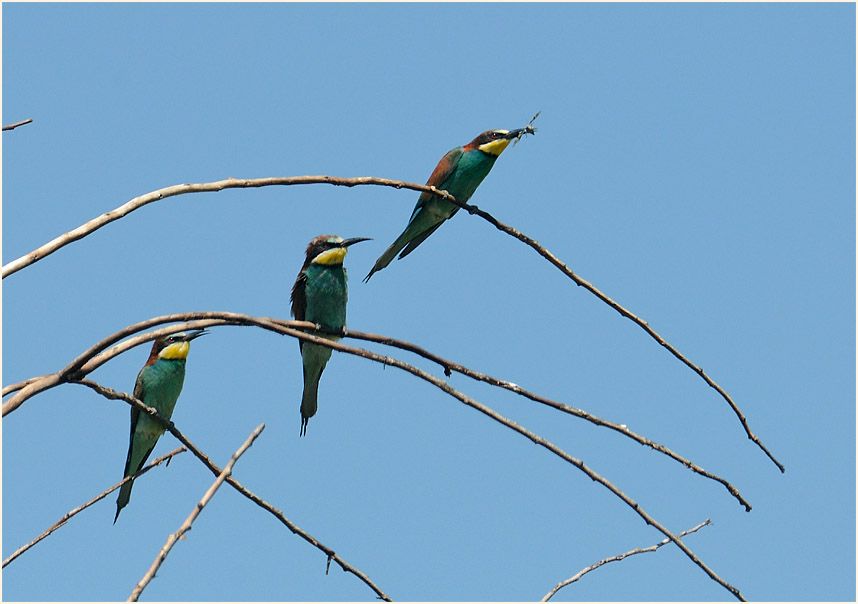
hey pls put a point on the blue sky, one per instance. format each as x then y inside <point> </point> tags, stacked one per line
<point>695,162</point>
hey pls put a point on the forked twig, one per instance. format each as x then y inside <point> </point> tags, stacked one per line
<point>186,525</point>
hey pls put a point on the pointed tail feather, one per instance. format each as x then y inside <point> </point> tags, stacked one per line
<point>135,459</point>
<point>123,499</point>
<point>421,226</point>
<point>389,254</point>
<point>418,240</point>
<point>309,403</point>
<point>314,358</point>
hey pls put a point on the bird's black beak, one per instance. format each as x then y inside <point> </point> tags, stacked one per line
<point>354,240</point>
<point>517,133</point>
<point>194,333</point>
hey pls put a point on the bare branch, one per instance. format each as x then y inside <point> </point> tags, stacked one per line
<point>228,183</point>
<point>618,558</point>
<point>16,124</point>
<point>111,394</point>
<point>489,412</point>
<point>536,439</point>
<point>450,366</point>
<point>94,357</point>
<point>87,362</point>
<point>18,385</point>
<point>545,253</point>
<point>232,183</point>
<point>74,512</point>
<point>186,525</point>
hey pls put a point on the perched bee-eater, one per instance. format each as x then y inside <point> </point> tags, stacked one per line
<point>158,385</point>
<point>319,295</point>
<point>459,173</point>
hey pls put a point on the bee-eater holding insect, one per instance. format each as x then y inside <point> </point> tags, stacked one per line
<point>319,295</point>
<point>158,385</point>
<point>459,173</point>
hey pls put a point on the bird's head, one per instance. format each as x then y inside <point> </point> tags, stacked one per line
<point>493,142</point>
<point>174,346</point>
<point>329,250</point>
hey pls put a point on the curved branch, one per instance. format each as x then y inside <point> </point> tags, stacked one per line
<point>204,187</point>
<point>111,394</point>
<point>198,509</point>
<point>618,558</point>
<point>536,439</point>
<point>234,183</point>
<point>450,366</point>
<point>93,357</point>
<point>90,360</point>
<point>489,412</point>
<point>74,512</point>
<point>545,253</point>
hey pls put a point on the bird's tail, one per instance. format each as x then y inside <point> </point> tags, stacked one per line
<point>123,499</point>
<point>421,225</point>
<point>390,253</point>
<point>140,446</point>
<point>314,360</point>
<point>309,403</point>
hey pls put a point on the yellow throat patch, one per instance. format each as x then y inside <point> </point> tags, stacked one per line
<point>175,351</point>
<point>495,147</point>
<point>331,257</point>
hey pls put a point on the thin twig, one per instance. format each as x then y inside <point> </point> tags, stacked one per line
<point>186,525</point>
<point>450,366</point>
<point>94,357</point>
<point>536,439</point>
<point>232,183</point>
<point>16,124</point>
<point>618,558</point>
<point>74,512</point>
<point>489,412</point>
<point>205,187</point>
<point>330,554</point>
<point>545,253</point>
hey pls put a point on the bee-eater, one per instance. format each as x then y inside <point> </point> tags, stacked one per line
<point>158,385</point>
<point>319,295</point>
<point>459,173</point>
